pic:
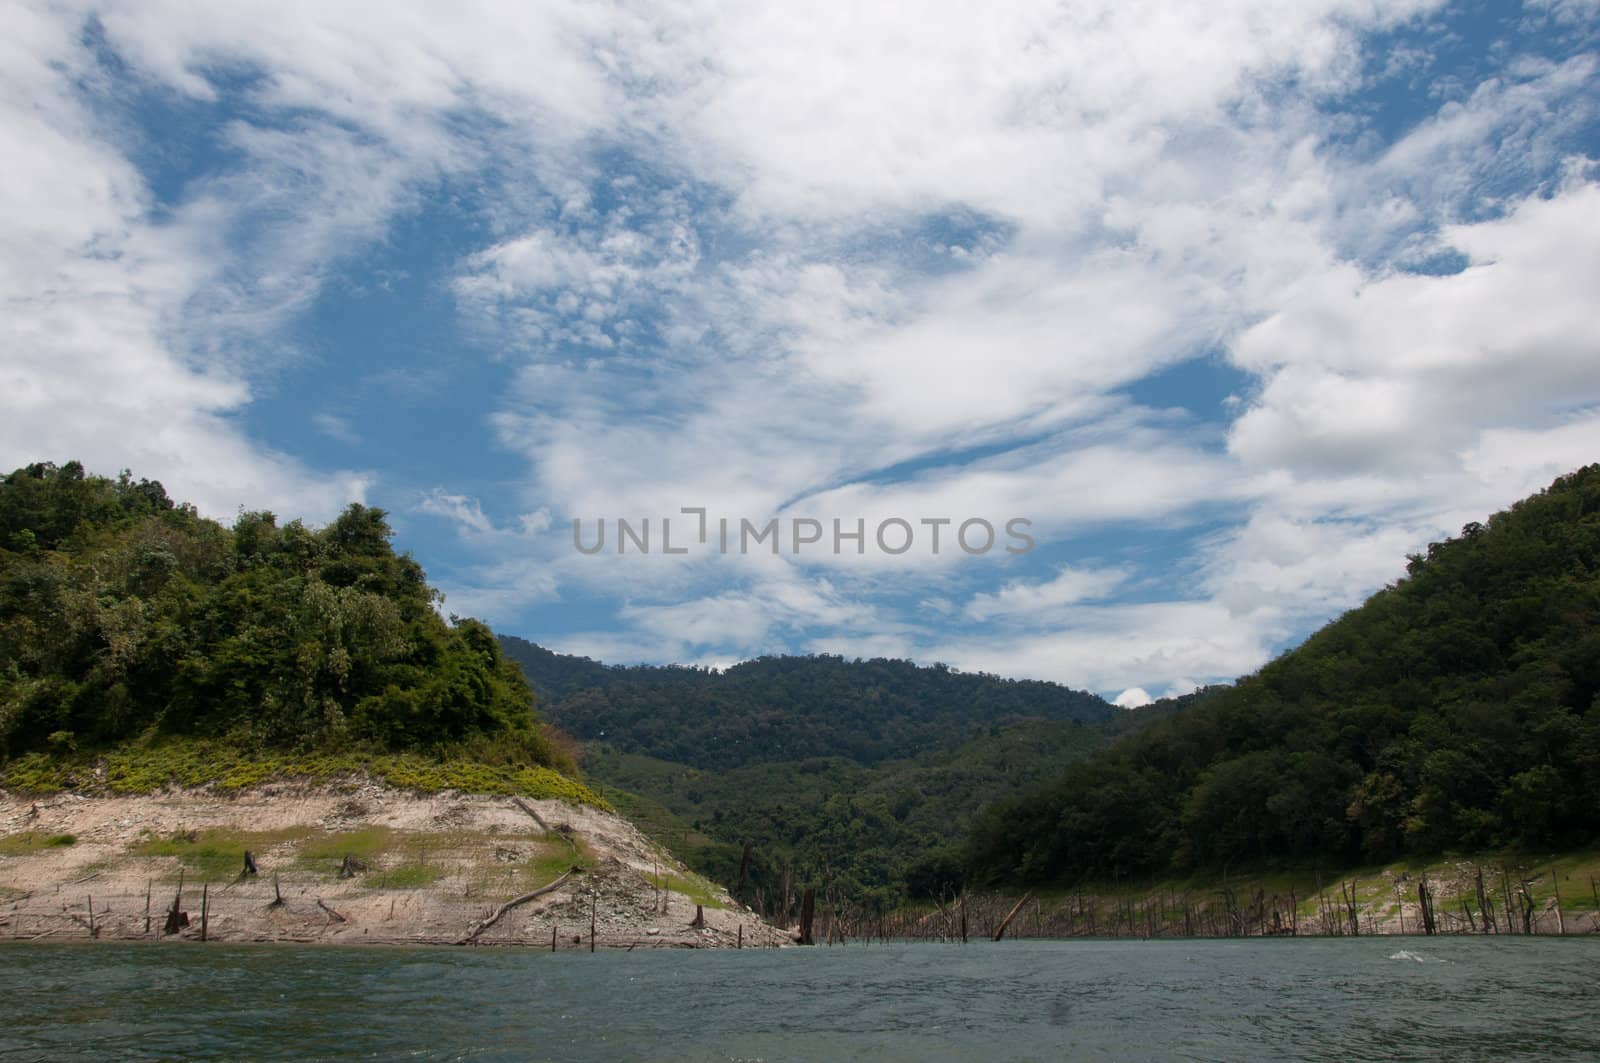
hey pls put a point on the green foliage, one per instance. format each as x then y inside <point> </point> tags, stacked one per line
<point>778,709</point>
<point>865,829</point>
<point>141,767</point>
<point>122,615</point>
<point>1458,709</point>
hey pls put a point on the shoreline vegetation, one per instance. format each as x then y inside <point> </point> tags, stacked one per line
<point>152,766</point>
<point>1556,895</point>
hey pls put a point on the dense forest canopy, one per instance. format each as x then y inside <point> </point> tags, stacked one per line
<point>775,709</point>
<point>1455,710</point>
<point>123,613</point>
<point>862,774</point>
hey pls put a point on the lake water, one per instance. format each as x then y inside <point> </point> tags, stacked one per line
<point>1362,998</point>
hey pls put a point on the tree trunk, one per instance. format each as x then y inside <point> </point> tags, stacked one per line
<point>479,927</point>
<point>808,911</point>
<point>177,919</point>
<point>1000,933</point>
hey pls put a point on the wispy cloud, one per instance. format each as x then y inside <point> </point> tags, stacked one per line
<point>849,263</point>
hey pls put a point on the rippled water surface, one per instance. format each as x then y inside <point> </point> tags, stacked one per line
<point>1364,998</point>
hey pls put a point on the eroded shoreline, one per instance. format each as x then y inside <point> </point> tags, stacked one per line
<point>423,869</point>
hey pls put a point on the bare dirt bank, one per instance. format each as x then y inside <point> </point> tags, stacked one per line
<point>429,869</point>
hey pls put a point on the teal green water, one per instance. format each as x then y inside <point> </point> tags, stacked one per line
<point>1363,998</point>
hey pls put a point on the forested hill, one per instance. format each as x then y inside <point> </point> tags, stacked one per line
<point>787,708</point>
<point>1455,710</point>
<point>124,615</point>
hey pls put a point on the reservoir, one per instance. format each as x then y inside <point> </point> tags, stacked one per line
<point>1232,999</point>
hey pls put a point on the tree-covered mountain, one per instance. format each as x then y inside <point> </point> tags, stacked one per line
<point>123,614</point>
<point>775,709</point>
<point>1456,709</point>
<point>872,832</point>
<point>861,774</point>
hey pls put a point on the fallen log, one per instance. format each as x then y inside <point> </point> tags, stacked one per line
<point>337,917</point>
<point>560,830</point>
<point>495,916</point>
<point>998,934</point>
<point>520,803</point>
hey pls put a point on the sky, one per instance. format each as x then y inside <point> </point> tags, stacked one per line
<point>1234,304</point>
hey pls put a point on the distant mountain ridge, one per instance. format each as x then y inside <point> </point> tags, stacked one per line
<point>773,709</point>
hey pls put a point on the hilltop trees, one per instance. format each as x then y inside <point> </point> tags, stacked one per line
<point>122,612</point>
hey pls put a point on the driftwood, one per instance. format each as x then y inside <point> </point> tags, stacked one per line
<point>560,830</point>
<point>337,917</point>
<point>1000,933</point>
<point>495,916</point>
<point>520,803</point>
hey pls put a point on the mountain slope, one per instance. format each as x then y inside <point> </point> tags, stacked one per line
<point>125,617</point>
<point>863,774</point>
<point>776,709</point>
<point>1455,709</point>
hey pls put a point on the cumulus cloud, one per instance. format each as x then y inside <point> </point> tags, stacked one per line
<point>845,264</point>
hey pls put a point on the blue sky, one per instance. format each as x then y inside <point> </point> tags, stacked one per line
<point>1237,305</point>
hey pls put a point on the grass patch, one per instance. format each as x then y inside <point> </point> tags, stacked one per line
<point>31,842</point>
<point>365,844</point>
<point>149,765</point>
<point>404,877</point>
<point>214,854</point>
<point>692,886</point>
<point>555,857</point>
<point>550,860</point>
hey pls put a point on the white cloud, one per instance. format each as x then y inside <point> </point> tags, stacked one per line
<point>851,264</point>
<point>465,512</point>
<point>97,367</point>
<point>1037,601</point>
<point>336,428</point>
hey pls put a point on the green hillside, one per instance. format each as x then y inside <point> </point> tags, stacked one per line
<point>775,709</point>
<point>862,774</point>
<point>128,621</point>
<point>1456,710</point>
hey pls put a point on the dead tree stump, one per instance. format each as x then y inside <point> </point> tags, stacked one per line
<point>808,912</point>
<point>177,919</point>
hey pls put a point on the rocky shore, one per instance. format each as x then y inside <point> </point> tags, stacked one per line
<point>358,863</point>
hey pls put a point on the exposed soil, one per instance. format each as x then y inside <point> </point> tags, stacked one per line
<point>428,869</point>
